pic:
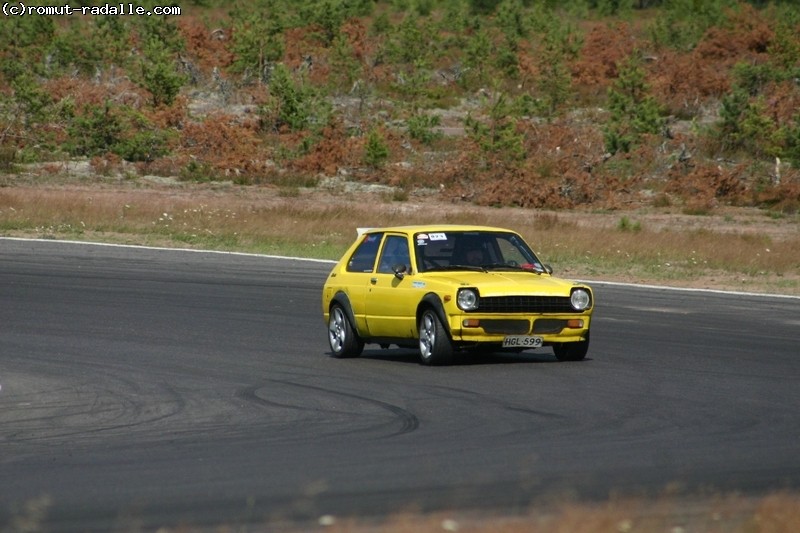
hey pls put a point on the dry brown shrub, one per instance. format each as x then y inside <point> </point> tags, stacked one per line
<point>783,197</point>
<point>521,188</point>
<point>572,144</point>
<point>453,175</point>
<point>225,142</point>
<point>358,40</point>
<point>604,47</point>
<point>705,185</point>
<point>336,149</point>
<point>106,164</point>
<point>83,92</point>
<point>300,45</point>
<point>719,47</point>
<point>173,116</point>
<point>750,27</point>
<point>776,513</point>
<point>170,165</point>
<point>206,47</point>
<point>684,82</point>
<point>562,168</point>
<point>746,37</point>
<point>782,101</point>
<point>528,60</point>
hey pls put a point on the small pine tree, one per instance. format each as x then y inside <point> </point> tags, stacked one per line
<point>498,136</point>
<point>420,127</point>
<point>477,52</point>
<point>376,152</point>
<point>633,109</point>
<point>345,67</point>
<point>257,41</point>
<point>158,74</point>
<point>293,103</point>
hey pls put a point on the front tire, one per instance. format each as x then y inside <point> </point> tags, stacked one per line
<point>572,351</point>
<point>343,340</point>
<point>435,347</point>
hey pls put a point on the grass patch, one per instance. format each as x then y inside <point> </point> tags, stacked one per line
<point>263,220</point>
<point>626,224</point>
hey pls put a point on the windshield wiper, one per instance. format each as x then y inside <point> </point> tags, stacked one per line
<point>457,267</point>
<point>514,268</point>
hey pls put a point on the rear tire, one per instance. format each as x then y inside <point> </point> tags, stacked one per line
<point>572,351</point>
<point>343,340</point>
<point>435,347</point>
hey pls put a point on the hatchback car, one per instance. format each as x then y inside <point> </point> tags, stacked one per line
<point>448,289</point>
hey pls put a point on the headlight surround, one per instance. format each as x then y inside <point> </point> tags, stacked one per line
<point>580,299</point>
<point>467,299</point>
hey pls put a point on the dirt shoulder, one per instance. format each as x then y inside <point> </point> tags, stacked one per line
<point>582,243</point>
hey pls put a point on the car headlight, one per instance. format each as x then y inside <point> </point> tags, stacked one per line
<point>580,299</point>
<point>467,299</point>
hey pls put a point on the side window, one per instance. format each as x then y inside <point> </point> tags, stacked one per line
<point>510,252</point>
<point>395,252</point>
<point>363,259</point>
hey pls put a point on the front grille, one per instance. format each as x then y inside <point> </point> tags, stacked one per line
<point>549,325</point>
<point>525,304</point>
<point>507,327</point>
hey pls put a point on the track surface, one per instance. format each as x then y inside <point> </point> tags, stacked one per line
<point>157,388</point>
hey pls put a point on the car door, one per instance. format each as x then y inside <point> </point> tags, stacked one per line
<point>356,280</point>
<point>391,309</point>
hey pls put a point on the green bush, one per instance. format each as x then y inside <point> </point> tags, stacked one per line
<point>790,135</point>
<point>292,103</point>
<point>420,127</point>
<point>498,135</point>
<point>158,73</point>
<point>410,42</point>
<point>633,110</point>
<point>376,152</point>
<point>95,132</point>
<point>34,101</point>
<point>483,7</point>
<point>345,67</point>
<point>8,157</point>
<point>511,19</point>
<point>258,40</point>
<point>119,130</point>
<point>198,171</point>
<point>327,15</point>
<point>682,23</point>
<point>24,42</point>
<point>477,52</point>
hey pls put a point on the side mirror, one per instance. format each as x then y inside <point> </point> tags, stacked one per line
<point>400,271</point>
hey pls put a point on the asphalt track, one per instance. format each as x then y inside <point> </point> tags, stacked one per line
<point>142,388</point>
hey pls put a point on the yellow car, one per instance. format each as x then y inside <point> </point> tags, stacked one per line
<point>448,288</point>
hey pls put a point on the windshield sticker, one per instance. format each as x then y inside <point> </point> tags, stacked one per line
<point>418,284</point>
<point>438,236</point>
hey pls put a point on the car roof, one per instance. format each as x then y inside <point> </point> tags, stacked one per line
<point>431,228</point>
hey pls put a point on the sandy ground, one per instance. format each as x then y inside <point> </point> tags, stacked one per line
<point>375,202</point>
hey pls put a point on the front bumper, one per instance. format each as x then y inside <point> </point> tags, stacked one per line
<point>492,329</point>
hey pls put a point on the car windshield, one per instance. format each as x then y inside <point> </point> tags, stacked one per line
<point>473,250</point>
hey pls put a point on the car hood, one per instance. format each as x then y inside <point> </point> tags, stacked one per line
<point>499,283</point>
